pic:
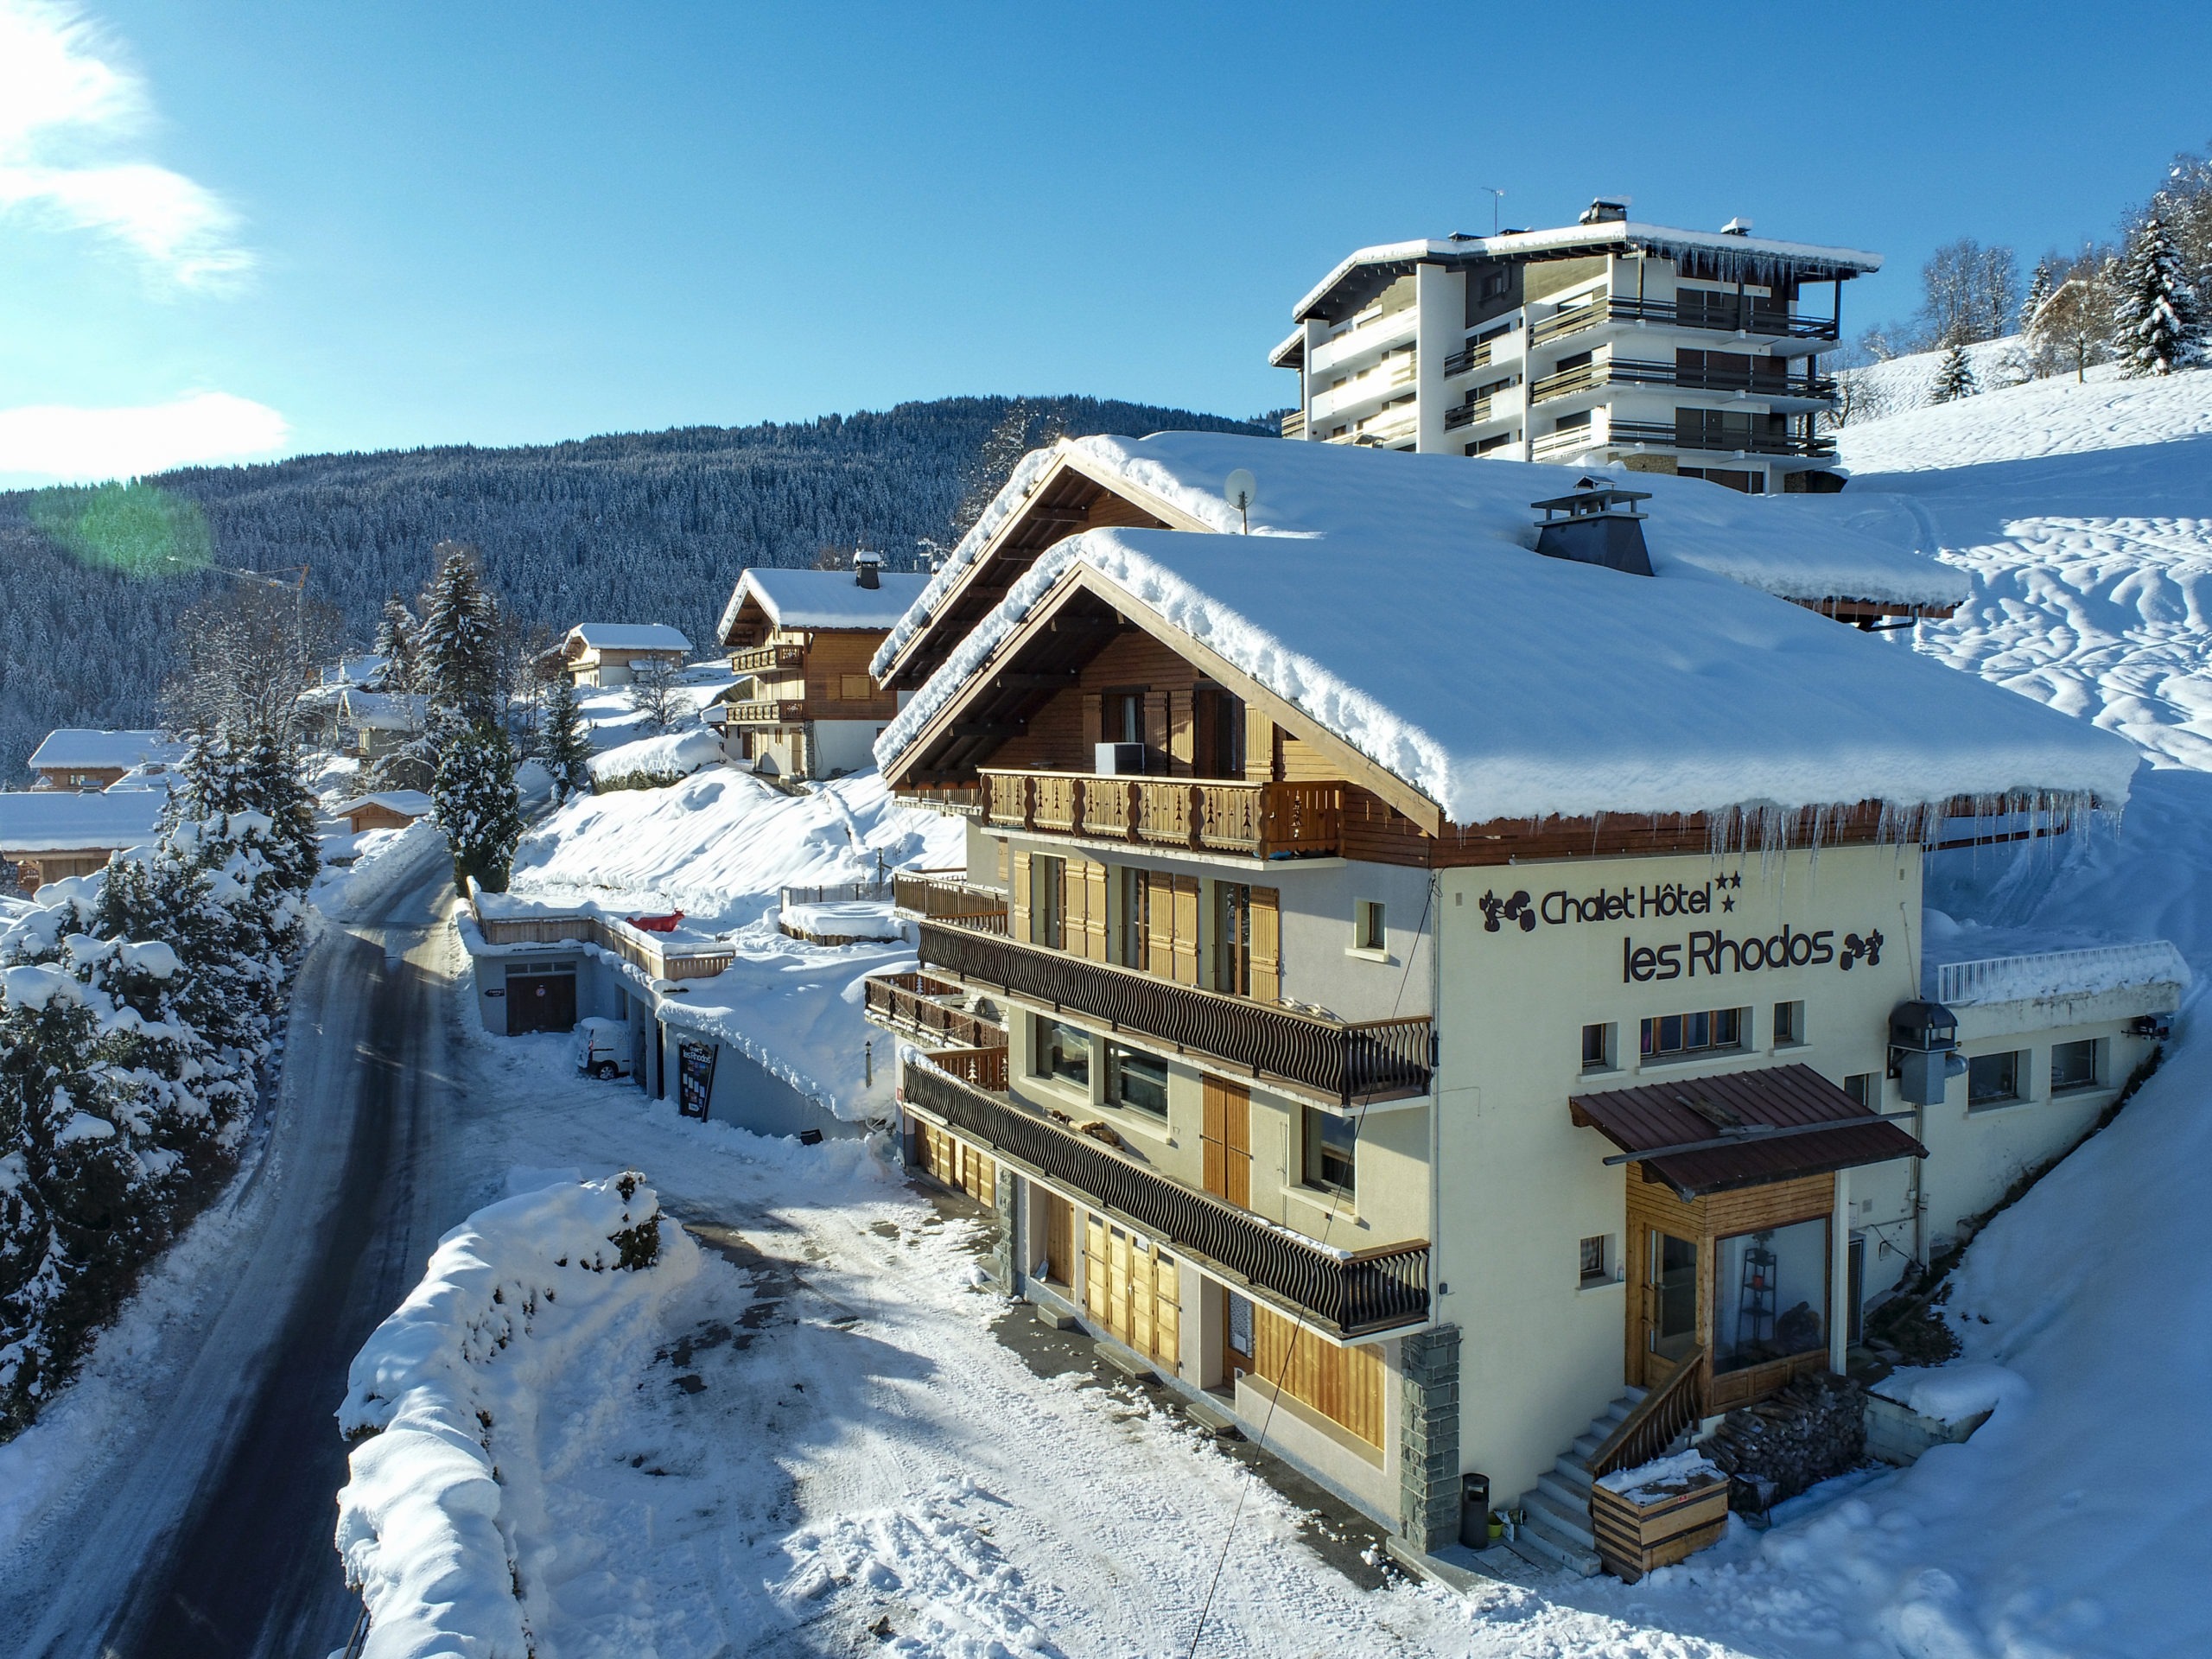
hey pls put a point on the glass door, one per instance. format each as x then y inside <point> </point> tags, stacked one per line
<point>1670,1302</point>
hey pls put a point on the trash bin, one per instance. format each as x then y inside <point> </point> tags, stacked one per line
<point>1474,1511</point>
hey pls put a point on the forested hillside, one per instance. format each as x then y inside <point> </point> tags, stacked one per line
<point>638,527</point>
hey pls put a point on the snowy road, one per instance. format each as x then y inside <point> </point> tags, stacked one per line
<point>191,1509</point>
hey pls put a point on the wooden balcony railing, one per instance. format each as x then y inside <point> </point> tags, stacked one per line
<point>669,960</point>
<point>947,897</point>
<point>1349,1294</point>
<point>980,1068</point>
<point>1650,1428</point>
<point>1380,1059</point>
<point>769,711</point>
<point>766,659</point>
<point>1209,815</point>
<point>908,1001</point>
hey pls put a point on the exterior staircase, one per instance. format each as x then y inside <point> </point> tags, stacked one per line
<point>1555,1531</point>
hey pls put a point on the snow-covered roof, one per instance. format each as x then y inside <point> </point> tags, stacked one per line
<point>1799,547</point>
<point>409,803</point>
<point>1755,253</point>
<point>386,711</point>
<point>628,635</point>
<point>1503,684</point>
<point>57,821</point>
<point>823,598</point>
<point>76,749</point>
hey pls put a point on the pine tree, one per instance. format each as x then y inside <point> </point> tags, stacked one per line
<point>272,775</point>
<point>2155,319</point>
<point>398,642</point>
<point>566,750</point>
<point>473,800</point>
<point>459,652</point>
<point>2039,288</point>
<point>1954,377</point>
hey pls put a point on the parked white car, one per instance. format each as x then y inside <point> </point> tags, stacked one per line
<point>603,1048</point>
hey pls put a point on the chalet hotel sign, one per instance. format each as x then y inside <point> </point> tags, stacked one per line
<point>1700,951</point>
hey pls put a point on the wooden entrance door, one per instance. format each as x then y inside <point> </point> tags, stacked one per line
<point>1225,1138</point>
<point>1131,1290</point>
<point>1672,1285</point>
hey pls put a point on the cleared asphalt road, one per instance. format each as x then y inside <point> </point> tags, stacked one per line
<point>209,1535</point>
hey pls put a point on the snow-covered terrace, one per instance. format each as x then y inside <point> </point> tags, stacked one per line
<point>2050,974</point>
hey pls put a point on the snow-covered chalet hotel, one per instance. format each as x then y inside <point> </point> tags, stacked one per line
<point>1662,349</point>
<point>1440,975</point>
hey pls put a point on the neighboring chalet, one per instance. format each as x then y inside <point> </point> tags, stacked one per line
<point>392,809</point>
<point>1661,349</point>
<point>610,653</point>
<point>1427,995</point>
<point>51,835</point>
<point>805,705</point>
<point>374,723</point>
<point>74,759</point>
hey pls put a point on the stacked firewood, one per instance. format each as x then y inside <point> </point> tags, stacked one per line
<point>1814,1427</point>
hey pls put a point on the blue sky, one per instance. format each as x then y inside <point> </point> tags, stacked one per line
<point>230,229</point>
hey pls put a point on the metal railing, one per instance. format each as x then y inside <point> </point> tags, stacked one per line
<point>1676,437</point>
<point>1461,415</point>
<point>768,711</point>
<point>2060,973</point>
<point>909,1001</point>
<point>1650,1428</point>
<point>1575,437</point>
<point>840,893</point>
<point>762,660</point>
<point>1473,357</point>
<point>639,949</point>
<point>1727,316</point>
<point>1378,1059</point>
<point>1350,1295</point>
<point>947,897</point>
<point>1636,371</point>
<point>1214,815</point>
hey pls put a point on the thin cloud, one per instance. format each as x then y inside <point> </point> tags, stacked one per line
<point>64,112</point>
<point>52,443</point>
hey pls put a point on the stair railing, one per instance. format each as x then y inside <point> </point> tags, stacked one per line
<point>1650,1429</point>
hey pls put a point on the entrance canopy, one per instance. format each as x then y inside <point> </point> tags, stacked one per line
<point>1745,1128</point>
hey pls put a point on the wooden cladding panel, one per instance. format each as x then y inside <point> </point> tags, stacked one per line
<point>953,1161</point>
<point>1344,1384</point>
<point>1131,1289</point>
<point>1225,1140</point>
<point>830,656</point>
<point>1056,1216</point>
<point>1183,959</point>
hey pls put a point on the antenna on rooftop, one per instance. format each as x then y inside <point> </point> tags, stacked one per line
<point>1240,489</point>
<point>1495,195</point>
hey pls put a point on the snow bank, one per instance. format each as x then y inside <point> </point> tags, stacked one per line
<point>2039,418</point>
<point>1952,1394</point>
<point>439,1525</point>
<point>386,857</point>
<point>673,754</point>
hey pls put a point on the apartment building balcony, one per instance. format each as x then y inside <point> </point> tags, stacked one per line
<point>1776,390</point>
<point>1347,1294</point>
<point>1383,430</point>
<point>1373,332</point>
<point>1293,424</point>
<point>1664,435</point>
<point>768,659</point>
<point>937,1010</point>
<point>1468,361</point>
<point>768,711</point>
<point>947,896</point>
<point>1378,1059</point>
<point>1474,414</point>
<point>1751,318</point>
<point>1261,820</point>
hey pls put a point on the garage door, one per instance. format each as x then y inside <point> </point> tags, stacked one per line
<point>541,1000</point>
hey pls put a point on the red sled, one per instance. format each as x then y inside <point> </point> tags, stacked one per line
<point>658,924</point>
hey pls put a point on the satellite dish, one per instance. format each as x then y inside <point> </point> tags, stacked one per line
<point>1240,489</point>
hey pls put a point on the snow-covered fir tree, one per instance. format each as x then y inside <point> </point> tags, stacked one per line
<point>2157,325</point>
<point>2039,289</point>
<point>473,801</point>
<point>398,641</point>
<point>1953,376</point>
<point>565,749</point>
<point>460,647</point>
<point>275,790</point>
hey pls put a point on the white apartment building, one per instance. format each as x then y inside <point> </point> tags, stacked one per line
<point>1661,349</point>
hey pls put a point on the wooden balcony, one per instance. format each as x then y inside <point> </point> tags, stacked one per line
<point>769,711</point>
<point>1347,1293</point>
<point>767,659</point>
<point>914,1002</point>
<point>945,896</point>
<point>1381,1059</point>
<point>1203,815</point>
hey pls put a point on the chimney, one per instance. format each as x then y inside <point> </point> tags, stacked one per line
<point>868,567</point>
<point>1597,525</point>
<point>1738,227</point>
<point>1605,211</point>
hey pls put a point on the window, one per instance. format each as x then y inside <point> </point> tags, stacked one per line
<point>1330,1144</point>
<point>1789,1024</point>
<point>1121,716</point>
<point>1860,1087</point>
<point>1136,1080</point>
<point>2074,1065</point>
<point>1770,1294</point>
<point>1136,919</point>
<point>1597,1254</point>
<point>855,688</point>
<point>1675,1034</point>
<point>1596,1048</point>
<point>1063,1053</point>
<point>1219,734</point>
<point>1368,930</point>
<point>1232,938</point>
<point>1048,919</point>
<point>1992,1078</point>
<point>1572,422</point>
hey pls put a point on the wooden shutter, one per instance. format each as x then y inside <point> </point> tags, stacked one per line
<point>1265,919</point>
<point>1094,1267</point>
<point>1019,919</point>
<point>1225,1141</point>
<point>1182,732</point>
<point>1160,915</point>
<point>1155,725</point>
<point>1344,1384</point>
<point>1185,970</point>
<point>1094,726</point>
<point>1098,907</point>
<point>1166,1311</point>
<point>1058,1219</point>
<point>1258,747</point>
